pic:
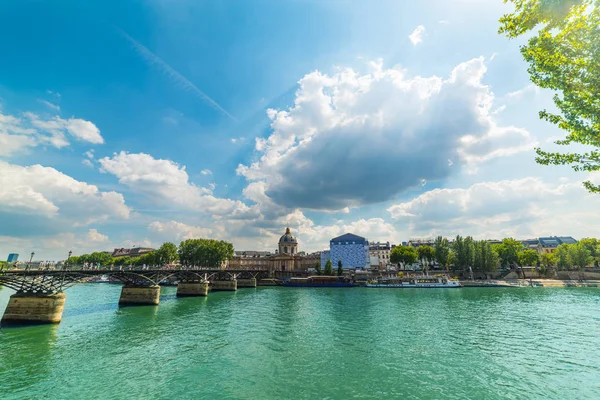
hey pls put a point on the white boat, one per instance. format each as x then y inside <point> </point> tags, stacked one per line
<point>419,282</point>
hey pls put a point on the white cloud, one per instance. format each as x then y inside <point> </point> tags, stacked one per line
<point>18,134</point>
<point>443,22</point>
<point>528,207</point>
<point>89,154</point>
<point>337,145</point>
<point>37,200</point>
<point>416,36</point>
<point>206,172</point>
<point>517,94</point>
<point>166,182</point>
<point>94,236</point>
<point>53,106</point>
<point>84,130</point>
<point>87,163</point>
<point>177,231</point>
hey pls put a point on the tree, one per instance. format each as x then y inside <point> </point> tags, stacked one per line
<point>403,255</point>
<point>340,270</point>
<point>442,251</point>
<point>563,261</point>
<point>563,56</point>
<point>593,245</point>
<point>579,255</point>
<point>205,253</point>
<point>548,261</point>
<point>318,268</point>
<point>72,261</point>
<point>328,268</point>
<point>426,255</point>
<point>465,252</point>
<point>166,254</point>
<point>528,258</point>
<point>485,258</point>
<point>508,252</point>
<point>99,258</point>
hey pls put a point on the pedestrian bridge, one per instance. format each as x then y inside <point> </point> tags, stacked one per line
<point>40,297</point>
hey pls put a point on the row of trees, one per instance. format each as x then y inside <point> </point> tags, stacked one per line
<point>469,254</point>
<point>192,252</point>
<point>329,268</point>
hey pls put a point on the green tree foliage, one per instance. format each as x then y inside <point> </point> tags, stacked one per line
<point>318,270</point>
<point>563,260</point>
<point>579,255</point>
<point>205,253</point>
<point>465,252</point>
<point>563,56</point>
<point>508,252</point>
<point>403,255</point>
<point>485,258</point>
<point>148,259</point>
<point>328,268</point>
<point>120,261</point>
<point>167,254</point>
<point>548,260</point>
<point>73,261</point>
<point>340,270</point>
<point>442,251</point>
<point>528,258</point>
<point>426,255</point>
<point>593,245</point>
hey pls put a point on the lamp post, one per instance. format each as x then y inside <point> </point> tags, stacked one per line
<point>30,258</point>
<point>68,258</point>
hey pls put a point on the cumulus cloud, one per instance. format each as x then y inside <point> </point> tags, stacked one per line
<point>87,163</point>
<point>166,182</point>
<point>19,133</point>
<point>42,197</point>
<point>528,207</point>
<point>352,139</point>
<point>173,230</point>
<point>94,236</point>
<point>416,36</point>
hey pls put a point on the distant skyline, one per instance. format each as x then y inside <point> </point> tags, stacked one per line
<point>136,123</point>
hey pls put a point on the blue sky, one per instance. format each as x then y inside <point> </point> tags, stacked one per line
<point>137,122</point>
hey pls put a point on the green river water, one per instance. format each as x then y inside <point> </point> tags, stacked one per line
<point>287,343</point>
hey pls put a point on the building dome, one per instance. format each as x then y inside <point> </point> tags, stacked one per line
<point>287,237</point>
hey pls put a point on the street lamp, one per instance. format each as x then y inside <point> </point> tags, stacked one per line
<point>68,258</point>
<point>30,258</point>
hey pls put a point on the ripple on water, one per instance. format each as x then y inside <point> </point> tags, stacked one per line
<point>272,343</point>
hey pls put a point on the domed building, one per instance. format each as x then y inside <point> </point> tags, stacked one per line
<point>286,260</point>
<point>288,243</point>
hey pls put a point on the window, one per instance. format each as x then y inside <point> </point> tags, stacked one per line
<point>285,249</point>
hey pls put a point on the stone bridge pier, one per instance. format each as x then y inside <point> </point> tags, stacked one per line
<point>140,295</point>
<point>192,284</point>
<point>39,298</point>
<point>34,308</point>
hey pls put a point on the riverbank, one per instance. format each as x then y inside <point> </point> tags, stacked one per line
<point>532,282</point>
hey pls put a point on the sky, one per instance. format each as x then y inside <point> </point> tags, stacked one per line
<point>136,122</point>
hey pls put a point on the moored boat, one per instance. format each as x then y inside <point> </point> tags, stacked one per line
<point>319,281</point>
<point>420,282</point>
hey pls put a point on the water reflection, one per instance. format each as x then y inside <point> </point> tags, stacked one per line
<point>26,355</point>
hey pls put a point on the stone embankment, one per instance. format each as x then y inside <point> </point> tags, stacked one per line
<point>532,282</point>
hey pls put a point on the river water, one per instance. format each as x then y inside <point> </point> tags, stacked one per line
<point>286,343</point>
